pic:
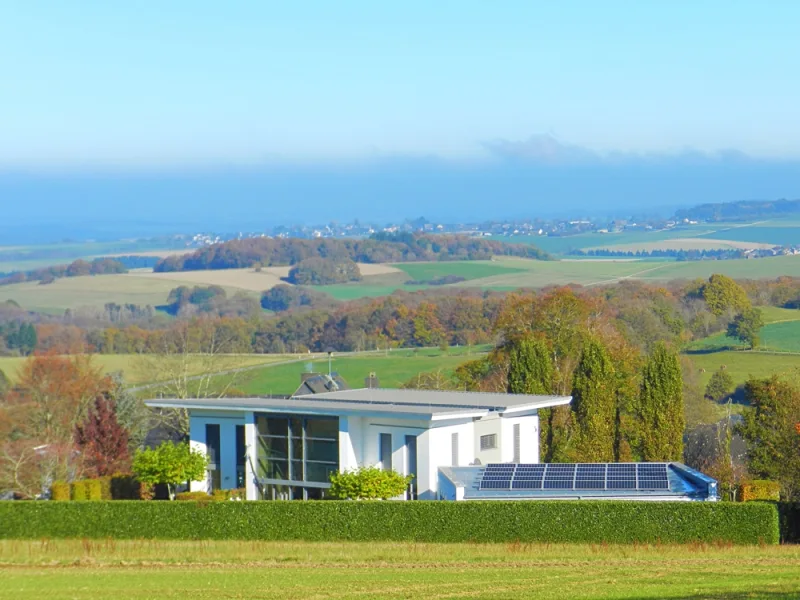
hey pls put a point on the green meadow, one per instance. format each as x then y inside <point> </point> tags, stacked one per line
<point>84,569</point>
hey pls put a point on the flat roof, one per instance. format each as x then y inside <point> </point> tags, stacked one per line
<point>419,404</point>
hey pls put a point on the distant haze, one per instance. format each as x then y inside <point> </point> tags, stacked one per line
<point>519,180</point>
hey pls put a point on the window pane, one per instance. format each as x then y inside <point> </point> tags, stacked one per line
<point>272,425</point>
<point>212,444</point>
<point>323,428</point>
<point>297,448</point>
<point>319,472</point>
<point>317,450</point>
<point>297,470</point>
<point>315,493</point>
<point>241,446</point>
<point>385,450</point>
<point>273,468</point>
<point>274,447</point>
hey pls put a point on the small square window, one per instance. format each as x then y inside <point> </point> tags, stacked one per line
<point>489,442</point>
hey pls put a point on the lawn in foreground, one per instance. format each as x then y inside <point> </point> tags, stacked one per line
<point>150,569</point>
<point>743,365</point>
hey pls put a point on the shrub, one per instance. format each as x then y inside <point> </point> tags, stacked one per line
<point>368,483</point>
<point>105,488</point>
<point>78,491</point>
<point>59,491</point>
<point>169,464</point>
<point>758,490</point>
<point>199,496</point>
<point>94,490</point>
<point>234,494</point>
<point>491,522</point>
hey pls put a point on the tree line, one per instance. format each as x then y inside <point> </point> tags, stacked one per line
<point>380,248</point>
<point>77,268</point>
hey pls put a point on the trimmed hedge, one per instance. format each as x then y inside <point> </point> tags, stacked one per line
<point>759,489</point>
<point>554,521</point>
<point>60,491</point>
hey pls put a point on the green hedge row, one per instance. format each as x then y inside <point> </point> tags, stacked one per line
<point>584,521</point>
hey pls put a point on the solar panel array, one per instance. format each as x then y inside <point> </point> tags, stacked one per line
<point>571,476</point>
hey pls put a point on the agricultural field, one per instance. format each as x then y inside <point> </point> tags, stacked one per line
<point>782,233</point>
<point>393,368</point>
<point>25,258</point>
<point>78,569</point>
<point>683,244</point>
<point>134,367</point>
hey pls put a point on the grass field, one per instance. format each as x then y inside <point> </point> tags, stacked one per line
<point>474,269</point>
<point>144,569</point>
<point>393,369</point>
<point>743,365</point>
<point>779,233</point>
<point>683,244</point>
<point>134,367</point>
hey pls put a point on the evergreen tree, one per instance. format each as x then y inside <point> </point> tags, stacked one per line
<point>661,406</point>
<point>530,368</point>
<point>102,440</point>
<point>594,393</point>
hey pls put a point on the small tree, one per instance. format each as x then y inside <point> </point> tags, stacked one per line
<point>103,442</point>
<point>720,385</point>
<point>746,326</point>
<point>169,464</point>
<point>368,483</point>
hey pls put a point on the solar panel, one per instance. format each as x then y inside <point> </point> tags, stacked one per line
<point>571,476</point>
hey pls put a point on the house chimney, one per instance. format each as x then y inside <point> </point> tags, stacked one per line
<point>371,382</point>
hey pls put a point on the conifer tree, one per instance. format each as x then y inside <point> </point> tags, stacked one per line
<point>530,367</point>
<point>661,413</point>
<point>594,400</point>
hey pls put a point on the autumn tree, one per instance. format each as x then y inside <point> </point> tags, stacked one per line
<point>773,444</point>
<point>594,399</point>
<point>661,410</point>
<point>38,420</point>
<point>746,326</point>
<point>722,295</point>
<point>194,359</point>
<point>102,441</point>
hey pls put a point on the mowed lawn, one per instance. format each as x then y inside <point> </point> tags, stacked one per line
<point>135,367</point>
<point>393,369</point>
<point>156,569</point>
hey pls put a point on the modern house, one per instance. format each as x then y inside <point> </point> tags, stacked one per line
<point>286,447</point>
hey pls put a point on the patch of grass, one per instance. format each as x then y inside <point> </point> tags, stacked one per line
<point>773,314</point>
<point>393,369</point>
<point>783,337</point>
<point>777,233</point>
<point>743,365</point>
<point>145,569</point>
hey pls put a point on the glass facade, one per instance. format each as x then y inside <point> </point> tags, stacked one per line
<point>213,450</point>
<point>293,450</point>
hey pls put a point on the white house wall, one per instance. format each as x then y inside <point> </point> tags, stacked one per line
<point>227,422</point>
<point>529,439</point>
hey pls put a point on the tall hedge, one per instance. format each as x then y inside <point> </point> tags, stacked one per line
<point>553,521</point>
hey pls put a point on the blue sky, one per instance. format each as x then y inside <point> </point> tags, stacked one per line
<point>92,84</point>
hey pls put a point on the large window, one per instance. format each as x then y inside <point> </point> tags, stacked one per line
<point>385,441</point>
<point>296,449</point>
<point>213,450</point>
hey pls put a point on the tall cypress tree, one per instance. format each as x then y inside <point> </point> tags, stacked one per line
<point>594,400</point>
<point>530,367</point>
<point>662,419</point>
<point>530,371</point>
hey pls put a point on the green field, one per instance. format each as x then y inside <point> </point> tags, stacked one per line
<point>134,367</point>
<point>83,569</point>
<point>779,233</point>
<point>743,365</point>
<point>393,369</point>
<point>474,269</point>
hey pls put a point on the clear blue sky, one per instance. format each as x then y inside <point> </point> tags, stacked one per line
<point>85,83</point>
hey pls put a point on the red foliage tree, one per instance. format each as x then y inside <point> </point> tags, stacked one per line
<point>103,442</point>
